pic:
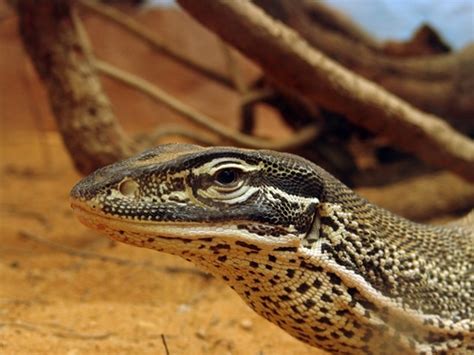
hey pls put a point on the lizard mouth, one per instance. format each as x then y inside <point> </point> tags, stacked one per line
<point>94,218</point>
<point>136,232</point>
<point>140,232</point>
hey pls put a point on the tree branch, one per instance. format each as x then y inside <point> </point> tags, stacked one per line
<point>432,197</point>
<point>82,111</point>
<point>301,137</point>
<point>160,133</point>
<point>286,57</point>
<point>137,29</point>
<point>439,84</point>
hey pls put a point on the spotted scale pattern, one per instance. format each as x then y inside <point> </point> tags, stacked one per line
<point>299,247</point>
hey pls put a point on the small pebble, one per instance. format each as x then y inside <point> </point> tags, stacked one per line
<point>201,334</point>
<point>246,324</point>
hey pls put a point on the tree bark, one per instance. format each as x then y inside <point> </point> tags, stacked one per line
<point>83,113</point>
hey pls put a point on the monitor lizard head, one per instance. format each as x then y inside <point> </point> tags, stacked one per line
<point>194,193</point>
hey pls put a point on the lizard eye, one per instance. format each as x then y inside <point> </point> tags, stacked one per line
<point>226,184</point>
<point>227,176</point>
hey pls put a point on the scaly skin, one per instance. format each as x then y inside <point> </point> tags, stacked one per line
<point>298,246</point>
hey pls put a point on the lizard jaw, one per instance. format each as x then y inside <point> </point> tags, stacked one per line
<point>149,233</point>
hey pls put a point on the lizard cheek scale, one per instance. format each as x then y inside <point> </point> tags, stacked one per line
<point>299,247</point>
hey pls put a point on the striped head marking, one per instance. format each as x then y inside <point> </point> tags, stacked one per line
<point>188,191</point>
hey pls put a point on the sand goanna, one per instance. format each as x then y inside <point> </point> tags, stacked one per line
<point>301,249</point>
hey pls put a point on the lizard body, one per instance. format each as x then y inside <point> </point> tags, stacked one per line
<point>301,249</point>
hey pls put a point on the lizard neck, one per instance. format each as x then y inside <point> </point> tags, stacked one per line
<point>432,260</point>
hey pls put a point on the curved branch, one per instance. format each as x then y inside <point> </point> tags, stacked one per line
<point>152,39</point>
<point>439,84</point>
<point>432,198</point>
<point>153,138</point>
<point>301,137</point>
<point>287,58</point>
<point>233,68</point>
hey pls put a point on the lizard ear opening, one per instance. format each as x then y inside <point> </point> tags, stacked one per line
<point>313,236</point>
<point>127,187</point>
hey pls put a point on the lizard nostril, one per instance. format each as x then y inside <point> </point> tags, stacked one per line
<point>127,187</point>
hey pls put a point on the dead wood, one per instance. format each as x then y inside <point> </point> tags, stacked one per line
<point>305,17</point>
<point>436,195</point>
<point>165,345</point>
<point>233,69</point>
<point>83,113</point>
<point>296,112</point>
<point>136,28</point>
<point>302,137</point>
<point>285,57</point>
<point>441,84</point>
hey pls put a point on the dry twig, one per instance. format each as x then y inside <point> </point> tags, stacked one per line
<point>23,212</point>
<point>106,258</point>
<point>235,81</point>
<point>320,80</point>
<point>300,138</point>
<point>165,345</point>
<point>233,69</point>
<point>64,332</point>
<point>155,137</point>
<point>134,27</point>
<point>436,194</point>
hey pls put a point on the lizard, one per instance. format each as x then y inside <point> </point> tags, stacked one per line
<point>301,248</point>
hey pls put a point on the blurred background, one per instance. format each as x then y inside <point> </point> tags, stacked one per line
<point>398,19</point>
